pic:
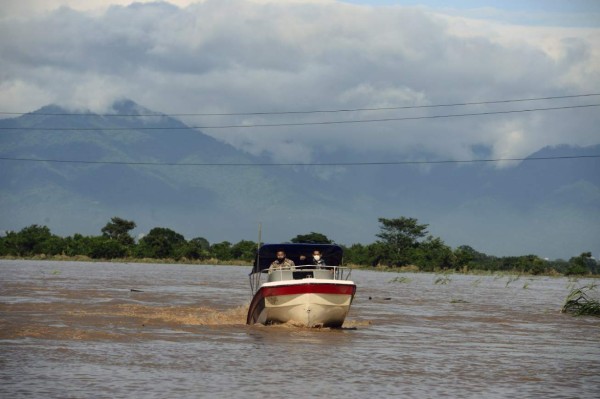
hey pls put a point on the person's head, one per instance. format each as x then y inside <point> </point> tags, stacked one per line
<point>317,254</point>
<point>280,255</point>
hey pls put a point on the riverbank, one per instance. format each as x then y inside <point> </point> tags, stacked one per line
<point>469,271</point>
<point>83,258</point>
<point>237,262</point>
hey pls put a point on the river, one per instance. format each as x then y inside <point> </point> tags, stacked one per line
<point>96,330</point>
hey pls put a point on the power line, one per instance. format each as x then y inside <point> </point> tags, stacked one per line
<point>304,123</point>
<point>298,163</point>
<point>312,111</point>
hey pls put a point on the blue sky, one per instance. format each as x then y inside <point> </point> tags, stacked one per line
<point>530,12</point>
<point>525,5</point>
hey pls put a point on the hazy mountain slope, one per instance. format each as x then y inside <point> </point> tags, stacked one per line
<point>551,208</point>
<point>213,201</point>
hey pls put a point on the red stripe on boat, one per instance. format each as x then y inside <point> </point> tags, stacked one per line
<point>340,289</point>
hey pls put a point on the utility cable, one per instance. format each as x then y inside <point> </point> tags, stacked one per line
<point>298,163</point>
<point>309,111</point>
<point>303,123</point>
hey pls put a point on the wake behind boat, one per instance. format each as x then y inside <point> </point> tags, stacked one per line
<point>304,294</point>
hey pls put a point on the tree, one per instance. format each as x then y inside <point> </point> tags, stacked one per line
<point>372,254</point>
<point>29,241</point>
<point>118,229</point>
<point>54,245</point>
<point>378,253</point>
<point>78,245</point>
<point>106,248</point>
<point>221,251</point>
<point>400,238</point>
<point>200,242</point>
<point>356,254</point>
<point>464,255</point>
<point>196,248</point>
<point>244,250</point>
<point>4,249</point>
<point>160,243</point>
<point>433,253</point>
<point>312,238</point>
<point>531,264</point>
<point>581,264</point>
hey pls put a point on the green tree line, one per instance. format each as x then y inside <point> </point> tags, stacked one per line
<point>406,242</point>
<point>116,242</point>
<point>401,242</point>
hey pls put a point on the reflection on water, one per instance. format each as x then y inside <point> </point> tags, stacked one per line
<point>133,330</point>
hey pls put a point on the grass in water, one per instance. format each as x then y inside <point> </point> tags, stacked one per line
<point>579,302</point>
<point>512,279</point>
<point>444,279</point>
<point>400,279</point>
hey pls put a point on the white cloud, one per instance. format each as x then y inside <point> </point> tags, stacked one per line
<point>12,8</point>
<point>232,56</point>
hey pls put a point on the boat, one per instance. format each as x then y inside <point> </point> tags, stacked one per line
<point>305,294</point>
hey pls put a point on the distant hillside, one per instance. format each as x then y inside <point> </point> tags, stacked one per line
<point>216,202</point>
<point>551,208</point>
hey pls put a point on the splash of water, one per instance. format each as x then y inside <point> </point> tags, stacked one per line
<point>184,315</point>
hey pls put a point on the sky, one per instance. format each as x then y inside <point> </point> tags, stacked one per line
<point>228,56</point>
<point>262,56</point>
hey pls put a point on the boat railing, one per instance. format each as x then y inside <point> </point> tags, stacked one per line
<point>300,272</point>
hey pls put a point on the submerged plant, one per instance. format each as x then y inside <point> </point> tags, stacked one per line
<point>579,302</point>
<point>444,279</point>
<point>400,279</point>
<point>512,279</point>
<point>476,282</point>
<point>527,283</point>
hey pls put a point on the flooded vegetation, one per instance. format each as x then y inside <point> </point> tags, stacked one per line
<point>581,303</point>
<point>146,330</point>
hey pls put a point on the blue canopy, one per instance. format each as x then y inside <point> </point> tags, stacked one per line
<point>332,254</point>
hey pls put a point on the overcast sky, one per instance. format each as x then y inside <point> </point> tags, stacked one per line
<point>241,56</point>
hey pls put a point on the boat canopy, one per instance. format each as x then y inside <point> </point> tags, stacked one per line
<point>332,254</point>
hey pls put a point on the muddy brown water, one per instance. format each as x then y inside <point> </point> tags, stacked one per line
<point>75,329</point>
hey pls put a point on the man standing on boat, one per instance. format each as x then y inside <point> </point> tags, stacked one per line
<point>282,262</point>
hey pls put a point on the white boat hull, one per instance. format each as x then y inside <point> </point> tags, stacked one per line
<point>307,302</point>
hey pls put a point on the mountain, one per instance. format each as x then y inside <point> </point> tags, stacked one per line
<point>213,201</point>
<point>550,208</point>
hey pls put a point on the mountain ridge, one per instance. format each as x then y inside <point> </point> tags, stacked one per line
<point>473,204</point>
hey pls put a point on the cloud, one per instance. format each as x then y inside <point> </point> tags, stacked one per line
<point>236,56</point>
<point>19,8</point>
